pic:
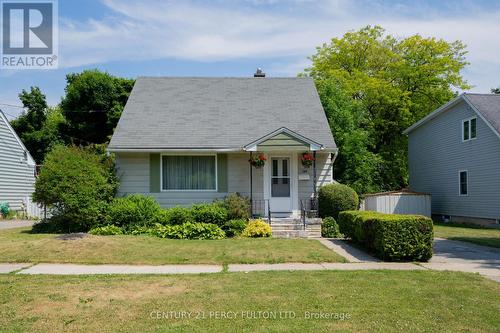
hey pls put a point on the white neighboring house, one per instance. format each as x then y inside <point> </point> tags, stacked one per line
<point>17,171</point>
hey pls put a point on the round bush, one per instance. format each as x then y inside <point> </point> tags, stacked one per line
<point>257,228</point>
<point>335,198</point>
<point>209,213</point>
<point>77,186</point>
<point>133,210</point>
<point>237,206</point>
<point>330,228</point>
<point>235,227</point>
<point>174,216</point>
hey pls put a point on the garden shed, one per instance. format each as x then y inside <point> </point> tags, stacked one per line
<point>398,202</point>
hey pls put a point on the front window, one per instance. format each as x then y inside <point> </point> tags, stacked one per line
<point>464,186</point>
<point>469,129</point>
<point>184,173</point>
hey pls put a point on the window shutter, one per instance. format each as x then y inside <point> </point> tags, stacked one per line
<point>154,173</point>
<point>222,173</point>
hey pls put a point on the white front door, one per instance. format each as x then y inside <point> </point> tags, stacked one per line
<point>281,183</point>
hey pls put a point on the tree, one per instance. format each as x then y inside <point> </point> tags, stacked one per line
<point>389,84</point>
<point>495,91</point>
<point>92,105</point>
<point>38,127</point>
<point>77,185</point>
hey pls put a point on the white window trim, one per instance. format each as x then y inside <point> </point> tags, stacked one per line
<point>470,129</point>
<point>189,154</point>
<point>459,184</point>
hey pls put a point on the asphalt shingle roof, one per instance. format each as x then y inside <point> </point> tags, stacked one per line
<point>489,107</point>
<point>170,113</point>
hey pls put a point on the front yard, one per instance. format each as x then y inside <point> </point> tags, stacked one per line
<point>357,301</point>
<point>468,233</point>
<point>19,245</point>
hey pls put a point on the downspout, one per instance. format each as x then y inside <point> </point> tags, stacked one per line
<point>251,185</point>
<point>315,180</point>
<point>333,157</point>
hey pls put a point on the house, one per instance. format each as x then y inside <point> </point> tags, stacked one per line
<point>17,169</point>
<point>454,154</point>
<point>190,140</point>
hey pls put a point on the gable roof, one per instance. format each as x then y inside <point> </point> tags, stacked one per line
<point>29,159</point>
<point>289,134</point>
<point>486,106</point>
<point>166,113</point>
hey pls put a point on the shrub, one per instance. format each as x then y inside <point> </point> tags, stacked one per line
<point>209,213</point>
<point>330,228</point>
<point>51,225</point>
<point>392,237</point>
<point>4,209</point>
<point>107,230</point>
<point>257,228</point>
<point>188,231</point>
<point>235,227</point>
<point>237,206</point>
<point>77,186</point>
<point>132,210</point>
<point>335,198</point>
<point>174,216</point>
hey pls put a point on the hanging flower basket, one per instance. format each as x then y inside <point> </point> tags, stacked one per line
<point>258,161</point>
<point>307,159</point>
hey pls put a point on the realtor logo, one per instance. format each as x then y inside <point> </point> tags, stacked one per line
<point>29,34</point>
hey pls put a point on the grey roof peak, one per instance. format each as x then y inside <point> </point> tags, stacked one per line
<point>227,113</point>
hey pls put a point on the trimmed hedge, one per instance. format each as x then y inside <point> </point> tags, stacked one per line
<point>392,237</point>
<point>335,198</point>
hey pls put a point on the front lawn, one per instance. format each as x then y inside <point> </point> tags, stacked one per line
<point>19,245</point>
<point>356,301</point>
<point>468,233</point>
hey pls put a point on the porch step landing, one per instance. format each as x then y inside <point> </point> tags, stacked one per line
<point>294,228</point>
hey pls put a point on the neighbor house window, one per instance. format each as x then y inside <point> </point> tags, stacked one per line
<point>469,129</point>
<point>464,180</point>
<point>189,173</point>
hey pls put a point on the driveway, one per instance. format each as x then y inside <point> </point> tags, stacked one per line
<point>449,255</point>
<point>466,257</point>
<point>11,224</point>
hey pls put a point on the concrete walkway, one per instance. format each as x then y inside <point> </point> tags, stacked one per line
<point>11,224</point>
<point>72,269</point>
<point>465,257</point>
<point>344,249</point>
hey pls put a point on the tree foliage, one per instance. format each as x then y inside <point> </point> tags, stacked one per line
<point>495,91</point>
<point>92,105</point>
<point>77,185</point>
<point>378,85</point>
<point>38,127</point>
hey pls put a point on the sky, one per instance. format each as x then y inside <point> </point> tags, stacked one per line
<point>133,38</point>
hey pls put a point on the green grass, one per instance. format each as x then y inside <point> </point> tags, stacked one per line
<point>18,245</point>
<point>468,233</point>
<point>369,301</point>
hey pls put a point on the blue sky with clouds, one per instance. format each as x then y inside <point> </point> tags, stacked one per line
<point>231,38</point>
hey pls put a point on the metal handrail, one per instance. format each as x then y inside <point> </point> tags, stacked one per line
<point>303,213</point>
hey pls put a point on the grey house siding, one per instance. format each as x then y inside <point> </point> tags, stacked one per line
<point>133,170</point>
<point>17,176</point>
<point>323,172</point>
<point>437,154</point>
